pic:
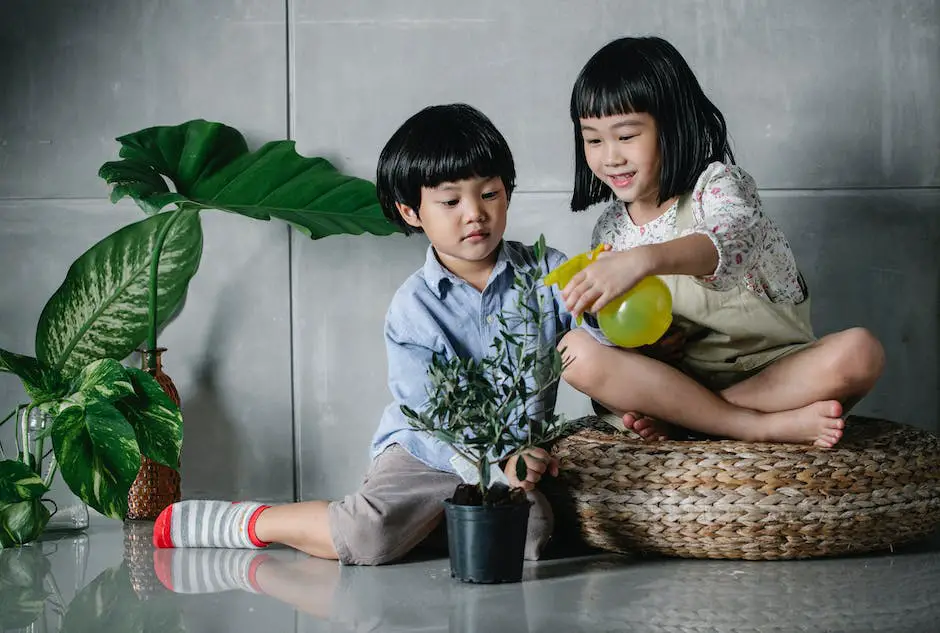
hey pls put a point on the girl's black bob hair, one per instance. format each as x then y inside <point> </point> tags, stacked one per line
<point>648,75</point>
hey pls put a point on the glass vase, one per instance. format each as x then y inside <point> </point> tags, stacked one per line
<point>69,513</point>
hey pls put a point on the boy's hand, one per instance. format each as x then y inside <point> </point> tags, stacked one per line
<point>669,348</point>
<point>606,279</point>
<point>537,462</point>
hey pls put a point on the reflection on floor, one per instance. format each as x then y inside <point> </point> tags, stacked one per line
<point>111,579</point>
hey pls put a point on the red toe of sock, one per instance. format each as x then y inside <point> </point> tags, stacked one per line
<point>161,528</point>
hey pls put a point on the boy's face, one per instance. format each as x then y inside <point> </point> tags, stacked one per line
<point>464,220</point>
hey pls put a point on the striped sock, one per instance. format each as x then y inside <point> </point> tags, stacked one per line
<point>208,570</point>
<point>200,523</point>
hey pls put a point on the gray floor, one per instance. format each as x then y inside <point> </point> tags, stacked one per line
<point>109,579</point>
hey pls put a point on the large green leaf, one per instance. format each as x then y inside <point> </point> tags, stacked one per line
<point>41,382</point>
<point>156,419</point>
<point>100,310</point>
<point>97,454</point>
<point>210,167</point>
<point>104,379</point>
<point>18,482</point>
<point>22,522</point>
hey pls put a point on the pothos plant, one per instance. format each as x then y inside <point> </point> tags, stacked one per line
<point>490,409</point>
<point>117,295</point>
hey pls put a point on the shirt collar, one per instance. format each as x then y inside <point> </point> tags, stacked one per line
<point>438,278</point>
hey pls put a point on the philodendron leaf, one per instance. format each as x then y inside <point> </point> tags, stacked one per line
<point>100,310</point>
<point>211,168</point>
<point>18,482</point>
<point>97,454</point>
<point>41,382</point>
<point>157,421</point>
<point>22,522</point>
<point>104,379</point>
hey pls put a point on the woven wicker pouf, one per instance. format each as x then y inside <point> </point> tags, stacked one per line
<point>878,488</point>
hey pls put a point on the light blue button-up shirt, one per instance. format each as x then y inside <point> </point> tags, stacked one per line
<point>437,311</point>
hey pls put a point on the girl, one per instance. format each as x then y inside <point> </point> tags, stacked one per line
<point>650,142</point>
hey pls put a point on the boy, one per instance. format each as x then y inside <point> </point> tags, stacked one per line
<point>448,172</point>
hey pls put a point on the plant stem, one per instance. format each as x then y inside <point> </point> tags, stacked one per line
<point>154,269</point>
<point>53,466</point>
<point>23,447</point>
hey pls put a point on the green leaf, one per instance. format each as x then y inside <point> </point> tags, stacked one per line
<point>18,482</point>
<point>100,310</point>
<point>22,522</point>
<point>156,420</point>
<point>211,168</point>
<point>97,454</point>
<point>41,382</point>
<point>104,379</point>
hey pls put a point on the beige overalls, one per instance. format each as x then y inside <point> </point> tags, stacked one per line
<point>732,334</point>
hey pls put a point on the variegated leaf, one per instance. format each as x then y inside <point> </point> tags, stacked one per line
<point>157,421</point>
<point>18,482</point>
<point>104,379</point>
<point>100,310</point>
<point>210,166</point>
<point>22,522</point>
<point>40,381</point>
<point>98,455</point>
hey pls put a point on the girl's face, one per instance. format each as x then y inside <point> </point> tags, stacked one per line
<point>623,151</point>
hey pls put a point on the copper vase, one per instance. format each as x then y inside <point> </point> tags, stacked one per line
<point>156,486</point>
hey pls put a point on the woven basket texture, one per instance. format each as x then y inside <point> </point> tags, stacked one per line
<point>878,488</point>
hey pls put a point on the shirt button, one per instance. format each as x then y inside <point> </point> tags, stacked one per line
<point>489,319</point>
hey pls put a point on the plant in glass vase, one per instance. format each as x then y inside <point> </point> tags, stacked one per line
<point>487,411</point>
<point>102,418</point>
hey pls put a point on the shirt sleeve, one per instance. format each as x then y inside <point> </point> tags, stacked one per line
<point>727,208</point>
<point>408,363</point>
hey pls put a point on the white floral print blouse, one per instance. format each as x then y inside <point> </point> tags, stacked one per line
<point>726,207</point>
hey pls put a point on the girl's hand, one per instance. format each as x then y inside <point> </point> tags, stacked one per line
<point>606,279</point>
<point>537,461</point>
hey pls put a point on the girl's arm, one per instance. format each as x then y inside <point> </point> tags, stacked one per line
<point>718,250</point>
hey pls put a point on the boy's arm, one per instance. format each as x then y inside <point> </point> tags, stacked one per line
<point>408,363</point>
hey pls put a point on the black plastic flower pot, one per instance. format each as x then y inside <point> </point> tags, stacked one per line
<point>486,543</point>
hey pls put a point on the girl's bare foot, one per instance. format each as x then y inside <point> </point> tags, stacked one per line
<point>819,424</point>
<point>646,427</point>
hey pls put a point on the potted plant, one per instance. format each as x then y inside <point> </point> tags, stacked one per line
<point>106,418</point>
<point>487,411</point>
<point>209,166</point>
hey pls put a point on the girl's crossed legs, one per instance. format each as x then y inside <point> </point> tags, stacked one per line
<point>800,398</point>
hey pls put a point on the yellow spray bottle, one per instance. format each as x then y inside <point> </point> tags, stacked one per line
<point>638,317</point>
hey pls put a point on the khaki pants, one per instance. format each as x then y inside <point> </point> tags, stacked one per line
<point>399,505</point>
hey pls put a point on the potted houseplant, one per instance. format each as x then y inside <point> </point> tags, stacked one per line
<point>209,166</point>
<point>487,411</point>
<point>106,418</point>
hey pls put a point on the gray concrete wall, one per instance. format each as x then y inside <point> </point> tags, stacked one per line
<point>278,354</point>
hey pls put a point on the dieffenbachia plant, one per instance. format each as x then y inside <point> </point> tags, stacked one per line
<point>210,167</point>
<point>118,294</point>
